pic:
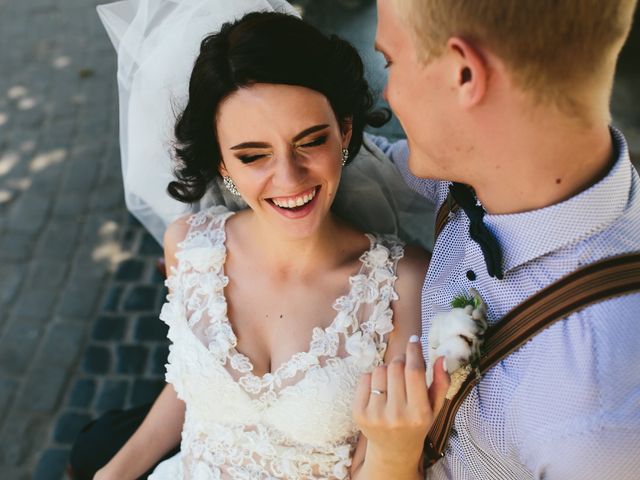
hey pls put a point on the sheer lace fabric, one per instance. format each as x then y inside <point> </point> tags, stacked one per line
<point>294,423</point>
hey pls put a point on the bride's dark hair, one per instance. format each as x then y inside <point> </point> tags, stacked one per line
<point>264,47</point>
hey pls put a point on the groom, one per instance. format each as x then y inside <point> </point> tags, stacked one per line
<point>512,99</point>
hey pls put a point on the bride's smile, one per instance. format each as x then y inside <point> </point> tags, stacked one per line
<point>281,145</point>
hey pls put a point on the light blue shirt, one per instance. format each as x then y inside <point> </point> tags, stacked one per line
<point>566,405</point>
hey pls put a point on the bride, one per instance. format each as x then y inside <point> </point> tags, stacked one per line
<point>294,351</point>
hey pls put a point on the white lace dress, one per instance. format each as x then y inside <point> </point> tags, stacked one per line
<point>294,423</point>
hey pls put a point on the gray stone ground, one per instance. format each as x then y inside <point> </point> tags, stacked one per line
<point>79,295</point>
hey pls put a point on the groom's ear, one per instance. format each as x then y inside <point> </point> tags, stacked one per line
<point>346,129</point>
<point>471,71</point>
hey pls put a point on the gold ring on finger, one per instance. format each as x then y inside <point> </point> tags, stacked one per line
<point>375,391</point>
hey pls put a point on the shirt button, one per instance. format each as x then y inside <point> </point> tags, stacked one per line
<point>471,275</point>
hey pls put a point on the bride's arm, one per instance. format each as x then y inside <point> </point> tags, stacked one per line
<point>158,434</point>
<point>161,429</point>
<point>397,422</point>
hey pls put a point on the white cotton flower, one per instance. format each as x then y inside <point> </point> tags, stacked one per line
<point>457,336</point>
<point>362,348</point>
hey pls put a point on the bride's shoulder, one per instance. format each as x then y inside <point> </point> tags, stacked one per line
<point>186,226</point>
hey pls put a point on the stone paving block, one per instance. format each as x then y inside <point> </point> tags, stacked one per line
<point>145,391</point>
<point>83,393</point>
<point>149,246</point>
<point>109,328</point>
<point>162,298</point>
<point>130,239</point>
<point>141,298</point>
<point>61,348</point>
<point>112,395</point>
<point>22,436</point>
<point>150,328</point>
<point>80,175</point>
<point>155,277</point>
<point>131,359</point>
<point>68,426</point>
<point>18,345</point>
<point>47,273</point>
<point>93,258</point>
<point>80,297</point>
<point>108,197</point>
<point>43,389</point>
<point>70,204</point>
<point>28,214</point>
<point>111,301</point>
<point>59,240</point>
<point>97,360</point>
<point>35,303</point>
<point>52,464</point>
<point>159,360</point>
<point>7,392</point>
<point>11,277</point>
<point>130,270</point>
<point>16,246</point>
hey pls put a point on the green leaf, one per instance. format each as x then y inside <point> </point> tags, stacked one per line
<point>462,300</point>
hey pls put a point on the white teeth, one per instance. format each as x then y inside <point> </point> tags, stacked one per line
<point>295,202</point>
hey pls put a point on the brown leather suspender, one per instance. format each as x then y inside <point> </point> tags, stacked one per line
<point>608,278</point>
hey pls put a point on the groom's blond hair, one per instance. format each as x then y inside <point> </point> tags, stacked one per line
<point>549,46</point>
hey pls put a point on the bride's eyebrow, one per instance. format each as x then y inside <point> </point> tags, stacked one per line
<point>309,131</point>
<point>302,134</point>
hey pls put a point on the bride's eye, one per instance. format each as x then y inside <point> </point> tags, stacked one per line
<point>315,143</point>
<point>250,158</point>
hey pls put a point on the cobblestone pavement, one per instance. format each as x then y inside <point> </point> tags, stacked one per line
<point>79,294</point>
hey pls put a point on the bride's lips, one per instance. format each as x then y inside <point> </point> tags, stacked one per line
<point>297,211</point>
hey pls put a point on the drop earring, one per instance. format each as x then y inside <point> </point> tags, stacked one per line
<point>231,186</point>
<point>345,156</point>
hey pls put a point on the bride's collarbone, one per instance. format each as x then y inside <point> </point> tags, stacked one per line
<point>273,319</point>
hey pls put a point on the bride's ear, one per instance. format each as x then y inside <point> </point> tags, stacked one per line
<point>346,128</point>
<point>222,170</point>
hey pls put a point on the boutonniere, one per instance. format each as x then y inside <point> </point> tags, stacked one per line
<point>457,335</point>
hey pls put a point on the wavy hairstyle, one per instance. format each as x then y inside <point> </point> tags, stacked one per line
<point>264,47</point>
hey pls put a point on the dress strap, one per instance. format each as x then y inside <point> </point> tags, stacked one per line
<point>206,227</point>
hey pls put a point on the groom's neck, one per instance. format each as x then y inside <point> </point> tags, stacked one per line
<point>539,159</point>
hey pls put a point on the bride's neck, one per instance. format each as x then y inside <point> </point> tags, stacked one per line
<point>287,256</point>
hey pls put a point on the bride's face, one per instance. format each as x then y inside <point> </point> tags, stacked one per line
<point>282,146</point>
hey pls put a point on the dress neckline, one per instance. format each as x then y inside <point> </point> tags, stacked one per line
<point>306,357</point>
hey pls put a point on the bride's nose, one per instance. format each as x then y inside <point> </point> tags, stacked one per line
<point>290,169</point>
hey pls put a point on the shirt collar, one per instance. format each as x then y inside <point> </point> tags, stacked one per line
<point>526,236</point>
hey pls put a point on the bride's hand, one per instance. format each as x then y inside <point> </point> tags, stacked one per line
<point>394,409</point>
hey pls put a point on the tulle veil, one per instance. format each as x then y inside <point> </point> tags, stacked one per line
<point>157,42</point>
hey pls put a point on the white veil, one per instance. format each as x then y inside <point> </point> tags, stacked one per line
<point>157,42</point>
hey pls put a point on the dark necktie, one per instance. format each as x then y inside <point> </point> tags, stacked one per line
<point>478,231</point>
